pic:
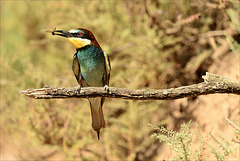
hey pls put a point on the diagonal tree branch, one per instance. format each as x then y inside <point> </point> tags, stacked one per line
<point>212,84</point>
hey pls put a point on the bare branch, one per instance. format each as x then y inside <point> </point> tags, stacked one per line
<point>212,84</point>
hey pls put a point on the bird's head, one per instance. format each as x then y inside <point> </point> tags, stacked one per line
<point>79,37</point>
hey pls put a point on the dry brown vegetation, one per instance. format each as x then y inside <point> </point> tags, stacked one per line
<point>152,45</point>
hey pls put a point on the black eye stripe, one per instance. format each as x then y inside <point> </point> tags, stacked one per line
<point>86,36</point>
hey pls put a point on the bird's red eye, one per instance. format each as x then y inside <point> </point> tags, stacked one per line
<point>79,34</point>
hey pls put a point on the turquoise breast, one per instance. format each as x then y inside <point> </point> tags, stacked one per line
<point>92,65</point>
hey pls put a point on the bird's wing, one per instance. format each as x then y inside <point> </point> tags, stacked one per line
<point>108,68</point>
<point>76,67</point>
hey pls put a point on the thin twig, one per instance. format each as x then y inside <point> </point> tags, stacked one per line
<point>233,124</point>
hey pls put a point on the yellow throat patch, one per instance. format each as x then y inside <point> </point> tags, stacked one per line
<point>79,42</point>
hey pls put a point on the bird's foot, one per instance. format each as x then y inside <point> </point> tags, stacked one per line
<point>106,88</point>
<point>79,89</point>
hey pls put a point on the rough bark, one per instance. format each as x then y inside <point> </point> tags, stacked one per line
<point>212,84</point>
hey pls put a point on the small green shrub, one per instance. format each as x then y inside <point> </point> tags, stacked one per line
<point>181,141</point>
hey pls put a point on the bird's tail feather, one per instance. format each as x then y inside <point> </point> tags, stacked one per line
<point>98,121</point>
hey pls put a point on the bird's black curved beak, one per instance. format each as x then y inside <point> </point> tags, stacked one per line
<point>61,33</point>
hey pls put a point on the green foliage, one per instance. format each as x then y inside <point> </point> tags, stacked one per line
<point>225,147</point>
<point>198,155</point>
<point>181,141</point>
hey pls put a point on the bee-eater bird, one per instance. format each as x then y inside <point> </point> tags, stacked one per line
<point>91,67</point>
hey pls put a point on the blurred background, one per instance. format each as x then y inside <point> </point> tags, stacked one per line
<point>153,44</point>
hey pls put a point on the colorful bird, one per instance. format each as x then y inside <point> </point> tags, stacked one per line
<point>91,67</point>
